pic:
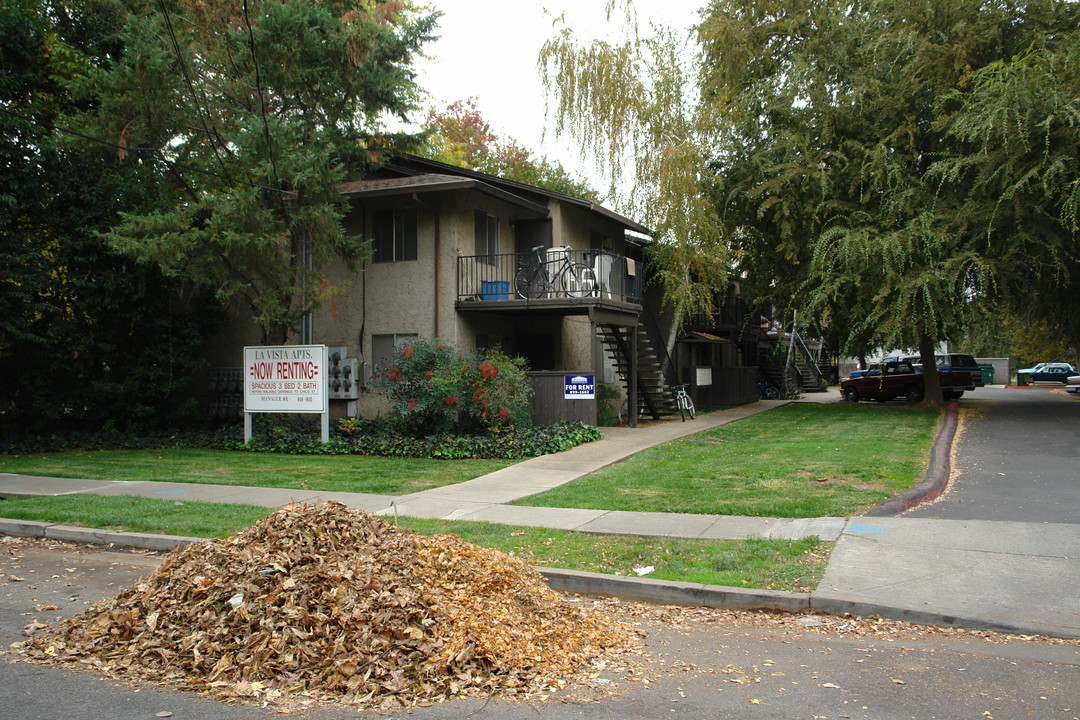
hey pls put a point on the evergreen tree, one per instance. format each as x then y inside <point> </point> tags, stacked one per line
<point>251,111</point>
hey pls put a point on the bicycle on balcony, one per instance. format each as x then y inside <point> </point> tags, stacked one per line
<point>553,273</point>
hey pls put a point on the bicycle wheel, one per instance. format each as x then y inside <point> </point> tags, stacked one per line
<point>690,409</point>
<point>529,282</point>
<point>680,400</point>
<point>578,280</point>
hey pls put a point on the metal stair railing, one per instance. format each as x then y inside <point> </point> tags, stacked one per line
<point>622,346</point>
<point>807,357</point>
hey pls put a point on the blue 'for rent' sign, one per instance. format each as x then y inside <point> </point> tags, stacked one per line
<point>579,387</point>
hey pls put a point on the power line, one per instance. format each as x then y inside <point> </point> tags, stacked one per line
<point>259,90</point>
<point>155,156</point>
<point>203,115</point>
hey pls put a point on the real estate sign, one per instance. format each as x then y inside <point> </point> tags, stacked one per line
<point>579,387</point>
<point>285,379</point>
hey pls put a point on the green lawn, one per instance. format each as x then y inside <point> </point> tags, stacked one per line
<point>135,514</point>
<point>340,473</point>
<point>800,460</point>
<point>757,563</point>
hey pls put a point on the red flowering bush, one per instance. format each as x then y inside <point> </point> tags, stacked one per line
<point>436,388</point>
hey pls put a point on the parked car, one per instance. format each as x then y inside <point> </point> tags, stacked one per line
<point>955,361</point>
<point>1034,368</point>
<point>1072,384</point>
<point>1050,372</point>
<point>902,379</point>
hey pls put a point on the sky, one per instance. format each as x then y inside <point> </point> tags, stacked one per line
<point>488,50</point>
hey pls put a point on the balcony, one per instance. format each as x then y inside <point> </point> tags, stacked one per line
<point>733,314</point>
<point>556,279</point>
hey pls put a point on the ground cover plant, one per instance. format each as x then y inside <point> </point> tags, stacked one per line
<point>800,460</point>
<point>338,473</point>
<point>796,566</point>
<point>301,435</point>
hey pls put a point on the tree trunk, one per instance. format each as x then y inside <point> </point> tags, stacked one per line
<point>933,397</point>
<point>673,334</point>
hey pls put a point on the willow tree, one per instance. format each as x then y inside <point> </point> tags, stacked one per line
<point>1017,130</point>
<point>632,105</point>
<point>247,113</point>
<point>831,115</point>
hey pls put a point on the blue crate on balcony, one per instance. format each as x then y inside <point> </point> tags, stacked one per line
<point>495,290</point>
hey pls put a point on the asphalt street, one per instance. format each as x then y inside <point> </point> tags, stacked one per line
<point>1016,458</point>
<point>695,663</point>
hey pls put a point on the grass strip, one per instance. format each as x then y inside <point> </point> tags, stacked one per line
<point>338,473</point>
<point>796,566</point>
<point>126,513</point>
<point>797,461</point>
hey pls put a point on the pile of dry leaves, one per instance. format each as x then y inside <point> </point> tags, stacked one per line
<point>324,602</point>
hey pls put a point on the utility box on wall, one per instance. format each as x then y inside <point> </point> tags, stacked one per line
<point>552,402</point>
<point>344,378</point>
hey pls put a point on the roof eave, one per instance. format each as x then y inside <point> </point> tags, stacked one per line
<point>462,184</point>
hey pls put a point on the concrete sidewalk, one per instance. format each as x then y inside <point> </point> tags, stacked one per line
<point>982,574</point>
<point>485,498</point>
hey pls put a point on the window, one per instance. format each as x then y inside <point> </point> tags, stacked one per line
<point>600,241</point>
<point>487,236</point>
<point>382,347</point>
<point>395,235</point>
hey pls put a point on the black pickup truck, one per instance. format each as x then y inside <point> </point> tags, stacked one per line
<point>902,379</point>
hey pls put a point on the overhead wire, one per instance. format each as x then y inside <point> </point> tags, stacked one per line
<point>200,111</point>
<point>156,156</point>
<point>262,99</point>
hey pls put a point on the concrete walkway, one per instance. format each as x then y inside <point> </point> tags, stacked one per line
<point>971,573</point>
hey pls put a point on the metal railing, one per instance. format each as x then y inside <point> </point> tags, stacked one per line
<point>731,313</point>
<point>543,276</point>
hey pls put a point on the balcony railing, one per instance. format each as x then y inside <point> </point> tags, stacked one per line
<point>552,274</point>
<point>732,313</point>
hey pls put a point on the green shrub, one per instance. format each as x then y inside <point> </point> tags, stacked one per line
<point>301,435</point>
<point>436,388</point>
<point>607,404</point>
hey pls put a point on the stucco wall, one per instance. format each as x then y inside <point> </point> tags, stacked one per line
<point>418,296</point>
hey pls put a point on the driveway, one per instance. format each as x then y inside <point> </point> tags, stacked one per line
<point>1016,457</point>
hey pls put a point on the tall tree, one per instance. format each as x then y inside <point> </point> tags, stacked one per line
<point>252,110</point>
<point>632,105</point>
<point>832,114</point>
<point>459,135</point>
<point>86,336</point>
<point>1017,136</point>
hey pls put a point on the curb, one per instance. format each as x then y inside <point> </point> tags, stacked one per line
<point>936,478</point>
<point>650,590</point>
<point>93,536</point>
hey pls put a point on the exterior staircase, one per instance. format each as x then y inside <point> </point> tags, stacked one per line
<point>655,399</point>
<point>804,371</point>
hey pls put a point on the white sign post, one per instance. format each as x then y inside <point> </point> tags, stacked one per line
<point>285,379</point>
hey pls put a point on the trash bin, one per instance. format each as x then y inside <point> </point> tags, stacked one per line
<point>1023,379</point>
<point>987,374</point>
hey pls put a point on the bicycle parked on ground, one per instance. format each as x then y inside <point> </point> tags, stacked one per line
<point>686,405</point>
<point>768,391</point>
<point>547,276</point>
<point>682,400</point>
